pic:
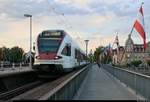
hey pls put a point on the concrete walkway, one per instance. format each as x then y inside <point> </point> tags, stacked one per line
<point>100,85</point>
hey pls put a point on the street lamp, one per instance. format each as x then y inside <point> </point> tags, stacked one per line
<point>30,16</point>
<point>86,42</point>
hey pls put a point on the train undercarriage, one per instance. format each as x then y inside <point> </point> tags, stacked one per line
<point>53,71</point>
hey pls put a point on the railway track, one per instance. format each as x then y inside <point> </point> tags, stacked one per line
<point>42,90</point>
<point>12,93</point>
<point>37,89</point>
<point>37,92</point>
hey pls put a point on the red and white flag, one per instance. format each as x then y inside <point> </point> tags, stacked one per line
<point>139,25</point>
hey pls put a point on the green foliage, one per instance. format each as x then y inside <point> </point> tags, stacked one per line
<point>97,52</point>
<point>1,54</point>
<point>128,65</point>
<point>14,54</point>
<point>91,57</point>
<point>104,58</point>
<point>148,62</point>
<point>136,63</point>
<point>4,54</point>
<point>120,66</point>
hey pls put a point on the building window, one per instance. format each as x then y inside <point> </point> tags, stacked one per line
<point>142,50</point>
<point>138,49</point>
<point>135,50</point>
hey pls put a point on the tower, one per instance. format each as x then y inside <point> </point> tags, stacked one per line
<point>129,47</point>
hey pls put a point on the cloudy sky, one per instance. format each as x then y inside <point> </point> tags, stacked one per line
<point>96,20</point>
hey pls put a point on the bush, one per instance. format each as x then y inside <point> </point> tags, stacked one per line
<point>136,63</point>
<point>119,66</point>
<point>128,65</point>
<point>148,62</point>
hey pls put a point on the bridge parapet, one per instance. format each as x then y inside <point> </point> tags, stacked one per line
<point>68,88</point>
<point>140,83</point>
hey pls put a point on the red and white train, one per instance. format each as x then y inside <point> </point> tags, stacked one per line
<point>56,52</point>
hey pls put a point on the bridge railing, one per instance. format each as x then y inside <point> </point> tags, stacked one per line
<point>138,82</point>
<point>4,67</point>
<point>68,88</point>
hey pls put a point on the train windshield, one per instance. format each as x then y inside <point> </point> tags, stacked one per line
<point>48,45</point>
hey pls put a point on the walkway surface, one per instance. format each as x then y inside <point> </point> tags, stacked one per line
<point>100,85</point>
<point>8,71</point>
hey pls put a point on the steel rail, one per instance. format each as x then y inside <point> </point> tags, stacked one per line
<point>12,93</point>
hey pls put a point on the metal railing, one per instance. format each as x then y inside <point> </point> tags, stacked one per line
<point>12,66</point>
<point>138,82</point>
<point>67,89</point>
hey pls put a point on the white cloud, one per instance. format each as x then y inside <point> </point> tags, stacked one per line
<point>77,2</point>
<point>96,20</point>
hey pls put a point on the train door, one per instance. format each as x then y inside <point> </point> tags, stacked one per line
<point>77,57</point>
<point>66,52</point>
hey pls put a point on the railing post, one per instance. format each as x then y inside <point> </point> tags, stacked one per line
<point>13,67</point>
<point>135,83</point>
<point>2,67</point>
<point>20,65</point>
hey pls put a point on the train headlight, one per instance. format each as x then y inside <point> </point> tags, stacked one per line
<point>58,57</point>
<point>37,57</point>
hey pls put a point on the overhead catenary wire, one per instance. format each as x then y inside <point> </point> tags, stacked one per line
<point>67,24</point>
<point>61,16</point>
<point>64,18</point>
<point>52,9</point>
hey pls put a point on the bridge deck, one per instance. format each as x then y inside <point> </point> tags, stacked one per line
<point>100,85</point>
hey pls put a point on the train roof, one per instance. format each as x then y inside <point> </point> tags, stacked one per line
<point>54,30</point>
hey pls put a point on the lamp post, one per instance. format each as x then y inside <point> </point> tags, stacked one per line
<point>30,16</point>
<point>86,42</point>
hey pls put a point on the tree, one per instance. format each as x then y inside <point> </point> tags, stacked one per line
<point>4,54</point>
<point>91,58</point>
<point>97,53</point>
<point>148,62</point>
<point>105,58</point>
<point>1,54</point>
<point>16,54</point>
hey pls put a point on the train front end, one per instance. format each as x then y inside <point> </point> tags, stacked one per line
<point>47,61</point>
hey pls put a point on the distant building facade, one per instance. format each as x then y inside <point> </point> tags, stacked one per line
<point>130,52</point>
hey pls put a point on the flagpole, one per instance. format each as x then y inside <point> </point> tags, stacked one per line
<point>143,22</point>
<point>131,30</point>
<point>143,15</point>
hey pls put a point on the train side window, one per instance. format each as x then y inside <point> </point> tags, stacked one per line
<point>67,50</point>
<point>76,53</point>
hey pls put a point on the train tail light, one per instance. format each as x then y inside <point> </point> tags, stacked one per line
<point>58,57</point>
